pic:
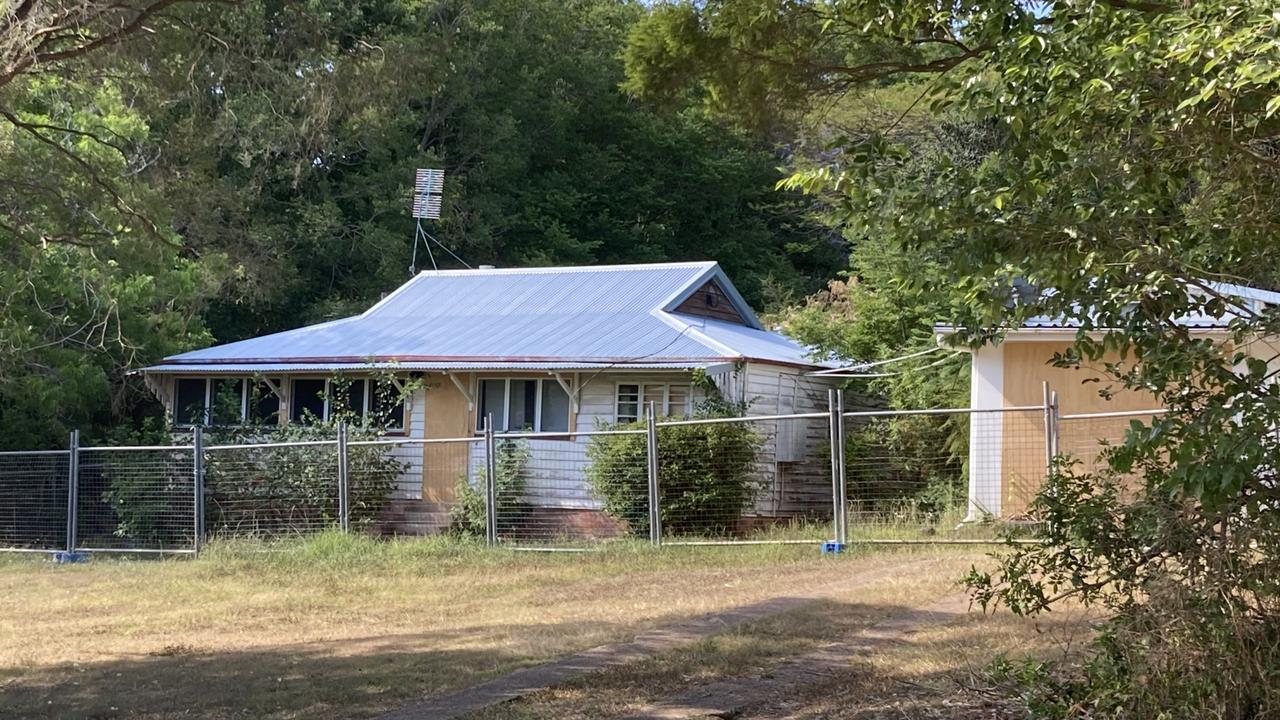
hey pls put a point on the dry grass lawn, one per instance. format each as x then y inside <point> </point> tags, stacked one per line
<point>940,672</point>
<point>346,627</point>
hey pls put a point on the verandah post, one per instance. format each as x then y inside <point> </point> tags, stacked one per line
<point>490,483</point>
<point>344,481</point>
<point>655,499</point>
<point>73,488</point>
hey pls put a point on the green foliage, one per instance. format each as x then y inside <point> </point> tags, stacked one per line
<point>909,466</point>
<point>705,478</point>
<point>228,174</point>
<point>469,513</point>
<point>1121,154</point>
<point>263,491</point>
<point>281,490</point>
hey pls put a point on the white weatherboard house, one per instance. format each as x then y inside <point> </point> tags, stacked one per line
<point>551,350</point>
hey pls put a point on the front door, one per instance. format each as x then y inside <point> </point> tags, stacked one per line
<point>445,416</point>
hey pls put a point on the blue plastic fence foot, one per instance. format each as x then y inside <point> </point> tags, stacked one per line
<point>831,548</point>
<point>64,556</point>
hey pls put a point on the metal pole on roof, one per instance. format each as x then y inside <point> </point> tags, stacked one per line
<point>490,483</point>
<point>655,501</point>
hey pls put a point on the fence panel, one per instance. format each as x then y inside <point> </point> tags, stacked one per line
<point>1085,439</point>
<point>936,474</point>
<point>567,490</point>
<point>136,499</point>
<point>33,500</point>
<point>406,486</point>
<point>270,490</point>
<point>756,479</point>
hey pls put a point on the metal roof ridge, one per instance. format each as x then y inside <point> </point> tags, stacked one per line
<point>689,329</point>
<point>563,269</point>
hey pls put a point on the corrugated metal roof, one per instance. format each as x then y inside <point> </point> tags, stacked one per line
<point>1251,298</point>
<point>294,368</point>
<point>547,317</point>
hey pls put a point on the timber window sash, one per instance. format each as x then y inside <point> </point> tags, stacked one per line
<point>520,404</point>
<point>631,402</point>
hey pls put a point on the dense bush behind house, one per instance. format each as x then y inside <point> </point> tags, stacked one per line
<point>705,477</point>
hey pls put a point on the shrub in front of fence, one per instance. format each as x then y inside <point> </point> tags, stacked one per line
<point>905,468</point>
<point>469,512</point>
<point>705,476</point>
<point>294,488</point>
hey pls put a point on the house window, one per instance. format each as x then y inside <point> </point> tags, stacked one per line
<point>352,401</point>
<point>226,401</point>
<point>308,401</point>
<point>262,404</point>
<point>669,400</point>
<point>233,401</point>
<point>524,405</point>
<point>385,405</point>
<point>191,402</point>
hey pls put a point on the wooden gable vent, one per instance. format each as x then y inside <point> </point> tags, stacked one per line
<point>711,301</point>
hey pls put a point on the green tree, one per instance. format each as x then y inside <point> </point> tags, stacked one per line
<point>1133,164</point>
<point>94,278</point>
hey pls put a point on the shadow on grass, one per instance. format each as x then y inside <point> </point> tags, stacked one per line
<point>366,676</point>
<point>763,670</point>
<point>339,679</point>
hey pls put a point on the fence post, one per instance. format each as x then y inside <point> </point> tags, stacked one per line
<point>1055,426</point>
<point>1048,427</point>
<point>655,501</point>
<point>197,480</point>
<point>842,530</point>
<point>73,488</point>
<point>344,482</point>
<point>490,483</point>
<point>837,461</point>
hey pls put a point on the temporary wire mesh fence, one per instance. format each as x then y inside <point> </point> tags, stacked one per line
<point>569,489</point>
<point>939,474</point>
<point>1085,439</point>
<point>135,499</point>
<point>917,475</point>
<point>269,490</point>
<point>746,479</point>
<point>33,499</point>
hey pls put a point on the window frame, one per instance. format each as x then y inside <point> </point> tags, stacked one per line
<point>642,406</point>
<point>205,410</point>
<point>506,405</point>
<point>324,393</point>
<point>247,385</point>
